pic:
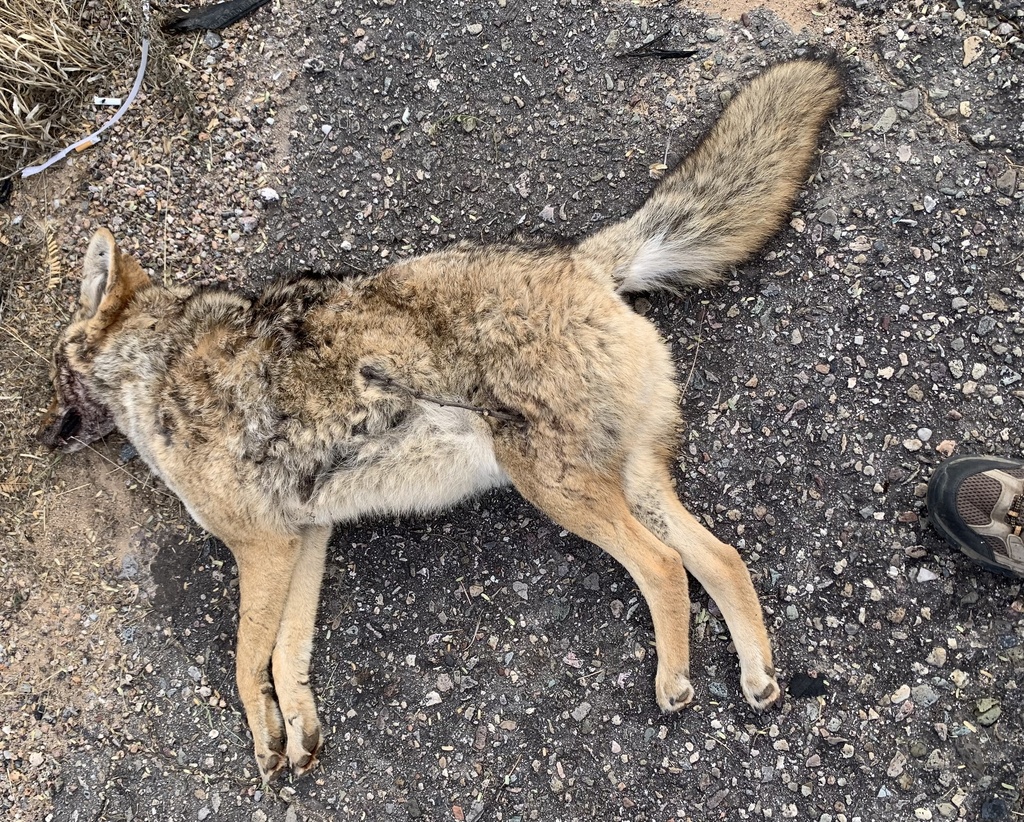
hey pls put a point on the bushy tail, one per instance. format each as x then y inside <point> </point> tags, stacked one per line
<point>721,203</point>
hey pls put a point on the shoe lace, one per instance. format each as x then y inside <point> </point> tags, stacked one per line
<point>1014,514</point>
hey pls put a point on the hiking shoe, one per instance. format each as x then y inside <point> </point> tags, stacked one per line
<point>977,504</point>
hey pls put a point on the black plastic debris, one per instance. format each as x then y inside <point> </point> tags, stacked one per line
<point>807,686</point>
<point>212,18</point>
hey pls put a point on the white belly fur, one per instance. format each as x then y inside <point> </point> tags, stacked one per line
<point>444,456</point>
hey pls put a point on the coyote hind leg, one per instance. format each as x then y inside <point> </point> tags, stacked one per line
<point>716,565</point>
<point>593,505</point>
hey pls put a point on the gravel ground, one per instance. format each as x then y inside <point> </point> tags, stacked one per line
<point>483,664</point>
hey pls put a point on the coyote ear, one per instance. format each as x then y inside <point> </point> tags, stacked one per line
<point>97,269</point>
<point>109,280</point>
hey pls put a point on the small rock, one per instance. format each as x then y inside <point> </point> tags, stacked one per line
<point>580,712</point>
<point>924,695</point>
<point>937,657</point>
<point>896,765</point>
<point>901,694</point>
<point>269,195</point>
<point>988,711</point>
<point>913,444</point>
<point>972,49</point>
<point>886,121</point>
<point>129,567</point>
<point>924,434</point>
<point>1007,182</point>
<point>926,575</point>
<point>474,28</point>
<point>910,100</point>
<point>828,217</point>
<point>986,324</point>
<point>212,40</point>
<point>521,590</point>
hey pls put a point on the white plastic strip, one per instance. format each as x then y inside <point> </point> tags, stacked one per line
<point>93,138</point>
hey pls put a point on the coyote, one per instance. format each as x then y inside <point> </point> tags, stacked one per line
<point>321,400</point>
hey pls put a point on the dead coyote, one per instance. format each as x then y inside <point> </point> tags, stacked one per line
<point>321,400</point>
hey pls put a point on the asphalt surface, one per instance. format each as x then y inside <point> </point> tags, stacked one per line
<point>484,664</point>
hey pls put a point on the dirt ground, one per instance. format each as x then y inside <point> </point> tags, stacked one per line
<point>483,664</point>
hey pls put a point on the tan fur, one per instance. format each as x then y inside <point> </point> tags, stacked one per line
<point>325,400</point>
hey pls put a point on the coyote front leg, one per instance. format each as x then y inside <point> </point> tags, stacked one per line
<point>266,564</point>
<point>294,648</point>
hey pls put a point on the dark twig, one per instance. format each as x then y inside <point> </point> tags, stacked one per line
<point>372,374</point>
<point>652,49</point>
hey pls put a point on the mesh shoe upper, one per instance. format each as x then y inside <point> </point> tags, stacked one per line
<point>990,503</point>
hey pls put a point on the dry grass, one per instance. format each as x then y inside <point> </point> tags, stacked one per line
<point>53,54</point>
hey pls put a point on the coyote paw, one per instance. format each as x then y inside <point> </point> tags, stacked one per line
<point>674,691</point>
<point>270,765</point>
<point>760,688</point>
<point>268,738</point>
<point>304,742</point>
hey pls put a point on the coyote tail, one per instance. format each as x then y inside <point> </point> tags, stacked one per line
<point>731,193</point>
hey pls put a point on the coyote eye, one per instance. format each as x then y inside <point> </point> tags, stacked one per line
<point>70,425</point>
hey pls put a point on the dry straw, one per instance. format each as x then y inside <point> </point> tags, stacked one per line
<point>49,60</point>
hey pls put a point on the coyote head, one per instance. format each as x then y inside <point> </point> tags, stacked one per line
<point>77,416</point>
